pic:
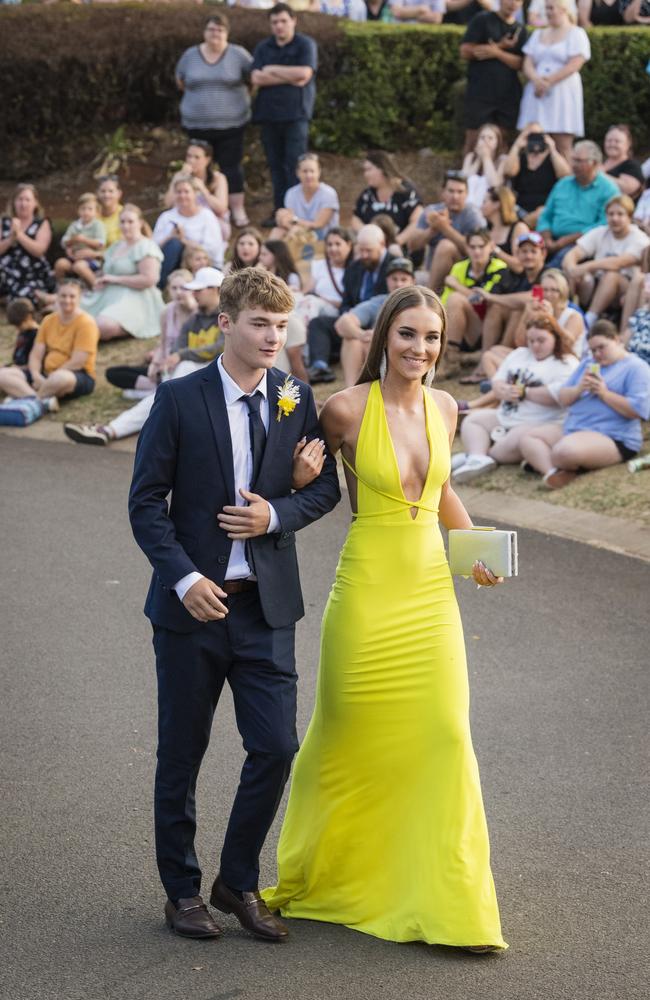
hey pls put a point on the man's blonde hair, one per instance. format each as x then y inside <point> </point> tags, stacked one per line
<point>252,287</point>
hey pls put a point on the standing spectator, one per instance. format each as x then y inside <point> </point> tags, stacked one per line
<point>425,12</point>
<point>187,220</point>
<point>604,260</point>
<point>554,57</point>
<point>532,167</point>
<point>215,106</point>
<point>482,164</point>
<point>378,10</point>
<point>353,10</point>
<point>84,242</point>
<point>311,204</point>
<point>126,301</point>
<point>618,163</point>
<point>443,228</point>
<point>210,183</point>
<point>62,361</point>
<point>576,203</point>
<point>493,45</point>
<point>363,278</point>
<point>463,11</point>
<point>283,70</point>
<point>607,395</point>
<point>634,11</point>
<point>598,12</point>
<point>25,237</point>
<point>388,192</point>
<point>109,196</point>
<point>537,17</point>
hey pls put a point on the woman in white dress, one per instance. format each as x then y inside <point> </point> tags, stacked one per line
<point>553,59</point>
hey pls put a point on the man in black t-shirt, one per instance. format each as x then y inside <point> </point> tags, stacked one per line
<point>493,44</point>
<point>283,70</point>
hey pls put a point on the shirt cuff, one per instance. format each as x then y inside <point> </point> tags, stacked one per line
<point>274,520</point>
<point>185,583</point>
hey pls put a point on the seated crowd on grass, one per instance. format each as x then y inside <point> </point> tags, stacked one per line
<point>538,245</point>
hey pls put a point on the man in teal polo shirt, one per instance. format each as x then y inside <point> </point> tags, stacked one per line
<point>576,203</point>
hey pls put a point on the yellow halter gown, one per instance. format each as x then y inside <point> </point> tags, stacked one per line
<point>385,829</point>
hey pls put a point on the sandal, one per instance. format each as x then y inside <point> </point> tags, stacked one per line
<point>240,221</point>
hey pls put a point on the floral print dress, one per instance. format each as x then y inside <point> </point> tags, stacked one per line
<point>21,274</point>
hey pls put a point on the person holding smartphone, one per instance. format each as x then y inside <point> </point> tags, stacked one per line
<point>531,167</point>
<point>605,410</point>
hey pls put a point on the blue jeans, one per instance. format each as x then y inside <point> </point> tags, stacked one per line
<point>172,253</point>
<point>283,143</point>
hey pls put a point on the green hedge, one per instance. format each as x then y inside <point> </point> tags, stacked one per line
<point>70,74</point>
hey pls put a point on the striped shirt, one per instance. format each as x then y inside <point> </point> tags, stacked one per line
<point>215,95</point>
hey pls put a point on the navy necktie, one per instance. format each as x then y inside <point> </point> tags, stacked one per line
<point>257,432</point>
<point>367,286</point>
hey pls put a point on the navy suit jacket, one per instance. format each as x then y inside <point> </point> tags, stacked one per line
<point>185,448</point>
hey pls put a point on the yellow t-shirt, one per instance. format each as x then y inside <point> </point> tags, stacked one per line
<point>112,225</point>
<point>62,339</point>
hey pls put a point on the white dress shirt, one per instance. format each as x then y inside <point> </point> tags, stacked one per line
<point>238,420</point>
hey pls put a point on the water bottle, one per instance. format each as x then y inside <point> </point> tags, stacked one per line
<point>636,464</point>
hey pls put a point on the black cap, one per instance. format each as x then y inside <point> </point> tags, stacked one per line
<point>400,264</point>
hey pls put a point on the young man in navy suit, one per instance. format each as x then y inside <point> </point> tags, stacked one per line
<point>233,443</point>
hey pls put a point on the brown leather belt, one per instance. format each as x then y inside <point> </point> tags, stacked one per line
<point>239,586</point>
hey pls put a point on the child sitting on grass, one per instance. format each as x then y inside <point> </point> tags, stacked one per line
<point>84,242</point>
<point>20,313</point>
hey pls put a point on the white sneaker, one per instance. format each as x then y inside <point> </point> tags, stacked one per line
<point>86,434</point>
<point>476,465</point>
<point>457,460</point>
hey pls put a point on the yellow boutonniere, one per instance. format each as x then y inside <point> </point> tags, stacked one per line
<point>288,397</point>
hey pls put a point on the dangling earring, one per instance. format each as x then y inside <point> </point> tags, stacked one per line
<point>383,367</point>
<point>429,377</point>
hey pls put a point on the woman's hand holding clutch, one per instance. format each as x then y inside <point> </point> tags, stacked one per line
<point>483,577</point>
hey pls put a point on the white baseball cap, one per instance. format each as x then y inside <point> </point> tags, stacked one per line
<point>205,277</point>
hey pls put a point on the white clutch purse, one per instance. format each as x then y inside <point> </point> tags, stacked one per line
<point>496,549</point>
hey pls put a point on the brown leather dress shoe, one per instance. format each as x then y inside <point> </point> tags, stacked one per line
<point>191,918</point>
<point>251,911</point>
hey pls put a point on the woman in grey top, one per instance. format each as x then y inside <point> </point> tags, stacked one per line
<point>215,106</point>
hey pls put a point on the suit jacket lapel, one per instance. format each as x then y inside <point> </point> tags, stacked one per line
<point>216,405</point>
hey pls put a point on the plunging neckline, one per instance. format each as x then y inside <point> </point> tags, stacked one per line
<point>396,462</point>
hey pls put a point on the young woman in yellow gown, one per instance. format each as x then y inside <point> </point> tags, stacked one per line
<point>385,829</point>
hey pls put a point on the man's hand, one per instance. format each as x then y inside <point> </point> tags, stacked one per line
<point>308,458</point>
<point>241,523</point>
<point>437,219</point>
<point>37,380</point>
<point>204,601</point>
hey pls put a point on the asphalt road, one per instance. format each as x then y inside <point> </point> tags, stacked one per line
<point>558,664</point>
